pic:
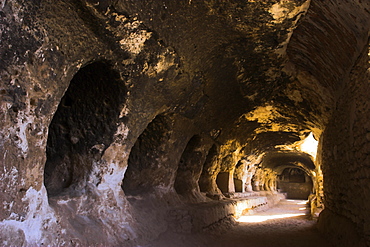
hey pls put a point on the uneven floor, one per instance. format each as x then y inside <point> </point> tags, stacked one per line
<point>285,225</point>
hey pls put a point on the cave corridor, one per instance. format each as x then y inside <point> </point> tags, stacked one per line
<point>123,121</point>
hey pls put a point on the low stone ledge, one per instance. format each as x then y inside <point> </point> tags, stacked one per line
<point>197,217</point>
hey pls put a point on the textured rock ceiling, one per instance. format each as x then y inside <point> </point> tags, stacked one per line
<point>237,49</point>
<point>242,67</point>
<point>261,66</point>
<point>107,100</point>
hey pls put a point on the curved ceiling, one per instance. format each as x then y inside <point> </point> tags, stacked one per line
<point>236,50</point>
<point>279,160</point>
<point>264,72</point>
<point>254,61</point>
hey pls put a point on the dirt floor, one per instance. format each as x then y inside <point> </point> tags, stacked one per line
<point>285,225</point>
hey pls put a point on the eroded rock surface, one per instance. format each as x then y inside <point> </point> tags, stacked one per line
<point>115,113</point>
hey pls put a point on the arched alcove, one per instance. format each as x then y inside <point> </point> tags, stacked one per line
<point>83,126</point>
<point>207,180</point>
<point>296,176</point>
<point>238,184</point>
<point>189,168</point>
<point>223,181</point>
<point>296,183</point>
<point>238,175</point>
<point>144,170</point>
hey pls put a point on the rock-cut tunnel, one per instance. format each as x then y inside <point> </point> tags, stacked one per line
<point>123,122</point>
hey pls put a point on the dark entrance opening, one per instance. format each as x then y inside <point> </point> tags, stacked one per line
<point>208,177</point>
<point>189,168</point>
<point>82,127</point>
<point>223,181</point>
<point>143,173</point>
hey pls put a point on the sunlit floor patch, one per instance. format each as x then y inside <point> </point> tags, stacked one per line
<point>298,202</point>
<point>262,218</point>
<point>283,225</point>
<point>301,202</point>
<point>295,208</point>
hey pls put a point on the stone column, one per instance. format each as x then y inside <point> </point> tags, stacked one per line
<point>248,180</point>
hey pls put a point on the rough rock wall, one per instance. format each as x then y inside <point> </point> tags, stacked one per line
<point>113,110</point>
<point>342,152</point>
<point>68,66</point>
<point>81,85</point>
<point>346,161</point>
